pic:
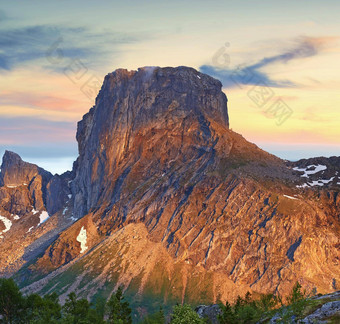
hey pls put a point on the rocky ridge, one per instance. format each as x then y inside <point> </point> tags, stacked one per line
<point>29,195</point>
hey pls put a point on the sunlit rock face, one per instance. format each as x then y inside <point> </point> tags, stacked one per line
<point>172,106</point>
<point>178,207</point>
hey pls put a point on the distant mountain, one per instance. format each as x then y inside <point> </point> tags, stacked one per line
<point>167,201</point>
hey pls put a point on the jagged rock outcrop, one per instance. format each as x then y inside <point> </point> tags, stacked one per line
<point>172,203</point>
<point>29,196</point>
<point>210,312</point>
<point>321,315</point>
<point>15,173</point>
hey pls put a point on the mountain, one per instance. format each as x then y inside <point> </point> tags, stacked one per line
<point>167,201</point>
<point>29,195</point>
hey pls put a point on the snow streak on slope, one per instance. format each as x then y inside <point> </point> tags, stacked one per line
<point>43,217</point>
<point>7,223</point>
<point>82,238</point>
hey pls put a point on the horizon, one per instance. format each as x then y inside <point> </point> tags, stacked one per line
<point>269,58</point>
<point>59,165</point>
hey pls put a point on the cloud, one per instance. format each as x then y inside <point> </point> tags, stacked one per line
<point>311,115</point>
<point>30,43</point>
<point>45,102</point>
<point>53,43</point>
<point>252,74</point>
<point>28,130</point>
<point>50,144</point>
<point>3,16</point>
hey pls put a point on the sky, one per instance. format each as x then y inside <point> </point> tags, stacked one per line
<point>278,61</point>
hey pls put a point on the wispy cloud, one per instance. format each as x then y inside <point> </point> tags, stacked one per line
<point>252,74</point>
<point>312,115</point>
<point>50,144</point>
<point>3,15</point>
<point>44,102</point>
<point>21,45</point>
<point>15,130</point>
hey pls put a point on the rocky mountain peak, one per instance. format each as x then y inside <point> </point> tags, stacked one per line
<point>155,114</point>
<point>16,172</point>
<point>11,157</point>
<point>155,89</point>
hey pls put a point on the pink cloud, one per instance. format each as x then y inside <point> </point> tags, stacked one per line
<point>44,102</point>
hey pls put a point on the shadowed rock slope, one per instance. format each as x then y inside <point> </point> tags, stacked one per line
<point>175,206</point>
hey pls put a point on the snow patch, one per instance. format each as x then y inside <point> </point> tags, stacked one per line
<point>16,186</point>
<point>199,77</point>
<point>44,216</point>
<point>290,197</point>
<point>35,211</point>
<point>30,229</point>
<point>307,171</point>
<point>69,196</point>
<point>16,217</point>
<point>82,238</point>
<point>7,223</point>
<point>319,183</point>
<point>303,186</point>
<point>327,181</point>
<point>315,183</point>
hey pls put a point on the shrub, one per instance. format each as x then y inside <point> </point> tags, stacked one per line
<point>184,314</point>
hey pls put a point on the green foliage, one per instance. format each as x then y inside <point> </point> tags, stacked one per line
<point>297,299</point>
<point>118,310</point>
<point>43,310</point>
<point>35,309</point>
<point>185,315</point>
<point>156,318</point>
<point>228,315</point>
<point>75,311</point>
<point>267,302</point>
<point>79,311</point>
<point>100,304</point>
<point>297,302</point>
<point>12,303</point>
<point>247,310</point>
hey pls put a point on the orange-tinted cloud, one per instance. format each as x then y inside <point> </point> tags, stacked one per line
<point>46,102</point>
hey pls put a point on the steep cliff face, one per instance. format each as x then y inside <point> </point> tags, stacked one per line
<point>173,104</point>
<point>174,205</point>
